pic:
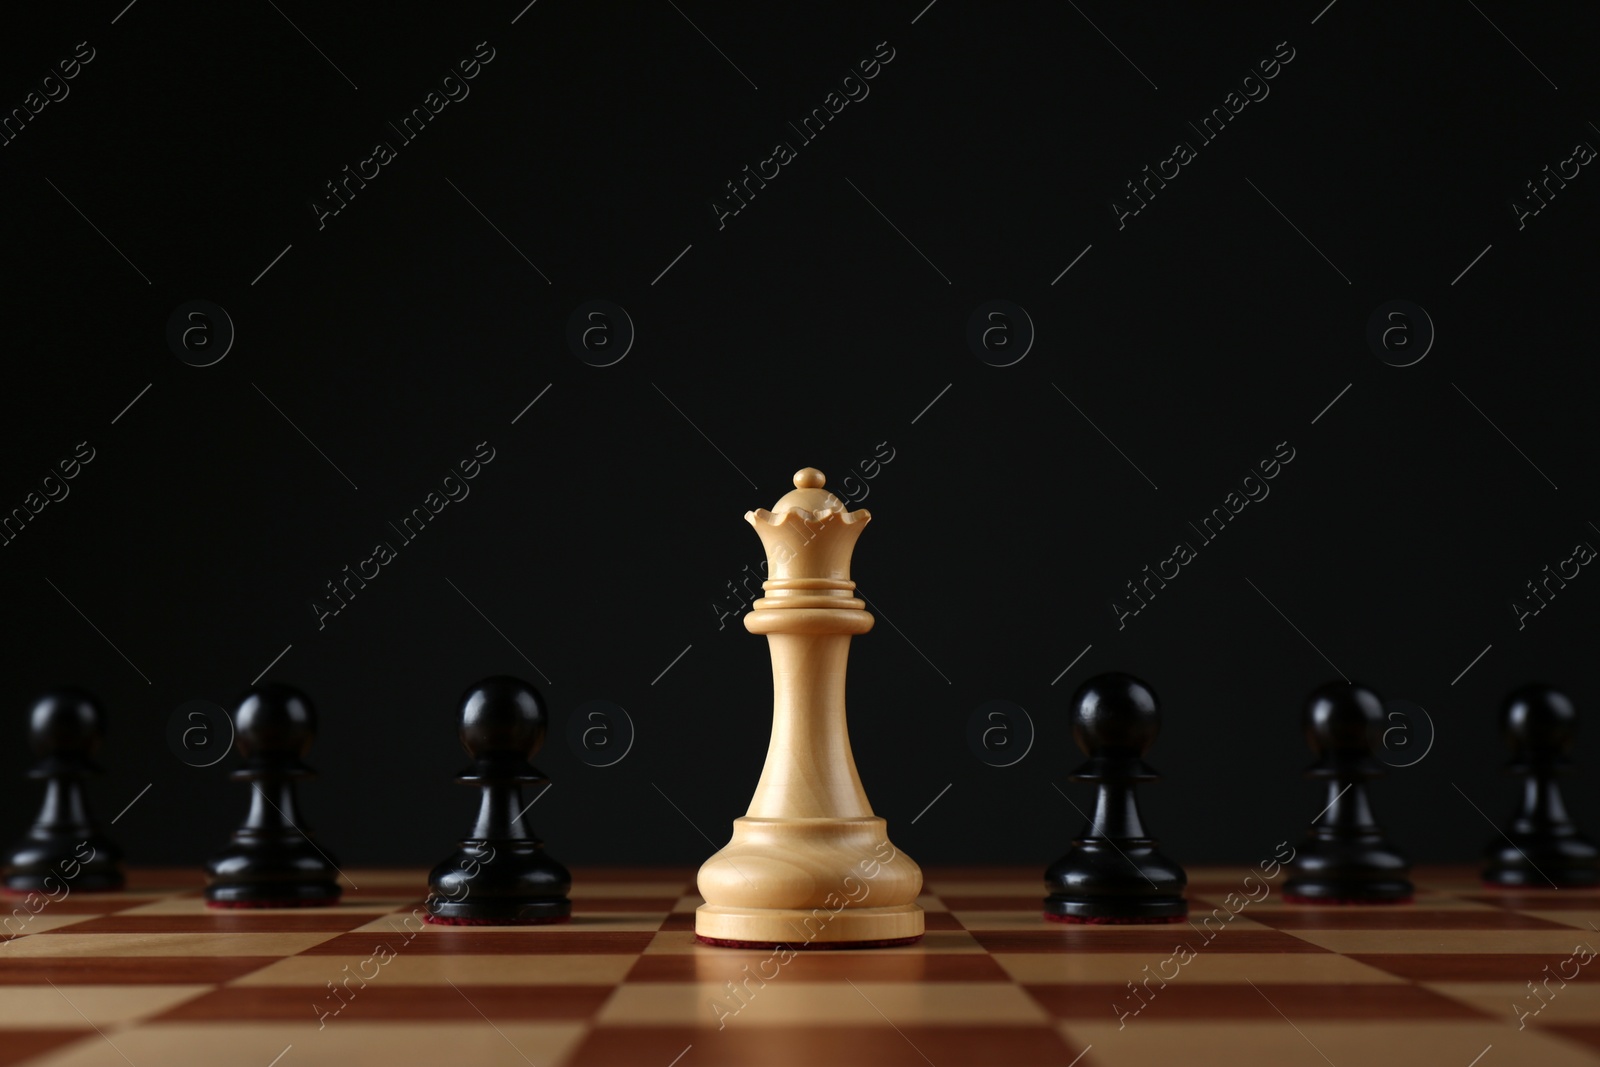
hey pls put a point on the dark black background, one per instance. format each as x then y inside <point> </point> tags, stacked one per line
<point>807,331</point>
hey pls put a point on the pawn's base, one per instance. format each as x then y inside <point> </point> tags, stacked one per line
<point>1114,911</point>
<point>1540,885</point>
<point>1102,920</point>
<point>78,859</point>
<point>23,883</point>
<point>807,946</point>
<point>1516,878</point>
<point>1358,888</point>
<point>1300,898</point>
<point>440,920</point>
<point>1121,882</point>
<point>270,894</point>
<point>260,870</point>
<point>489,912</point>
<point>500,883</point>
<point>808,928</point>
<point>275,902</point>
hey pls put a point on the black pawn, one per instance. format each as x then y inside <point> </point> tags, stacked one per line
<point>64,847</point>
<point>1540,845</point>
<point>272,861</point>
<point>1346,858</point>
<point>500,875</point>
<point>1114,872</point>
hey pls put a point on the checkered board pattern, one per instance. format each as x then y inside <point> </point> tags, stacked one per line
<point>152,978</point>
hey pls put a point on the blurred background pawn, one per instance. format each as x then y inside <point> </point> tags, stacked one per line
<point>1114,873</point>
<point>64,846</point>
<point>1540,847</point>
<point>1346,858</point>
<point>272,860</point>
<point>500,875</point>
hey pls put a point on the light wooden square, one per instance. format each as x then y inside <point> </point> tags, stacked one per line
<point>1206,968</point>
<point>69,945</point>
<point>464,969</point>
<point>594,922</point>
<point>1282,1043</point>
<point>1556,943</point>
<point>782,1002</point>
<point>504,1044</point>
<point>75,1006</point>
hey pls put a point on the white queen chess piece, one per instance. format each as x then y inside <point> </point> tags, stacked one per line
<point>809,865</point>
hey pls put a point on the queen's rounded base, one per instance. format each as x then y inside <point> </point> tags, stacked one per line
<point>815,928</point>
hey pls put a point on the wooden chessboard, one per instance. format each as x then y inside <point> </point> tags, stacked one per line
<point>152,978</point>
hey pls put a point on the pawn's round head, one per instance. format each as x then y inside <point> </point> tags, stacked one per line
<point>502,716</point>
<point>66,724</point>
<point>1539,722</point>
<point>274,720</point>
<point>1342,719</point>
<point>1115,714</point>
